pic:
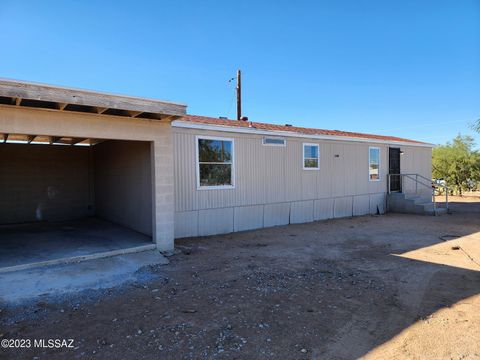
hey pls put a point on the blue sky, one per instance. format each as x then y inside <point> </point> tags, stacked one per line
<point>406,68</point>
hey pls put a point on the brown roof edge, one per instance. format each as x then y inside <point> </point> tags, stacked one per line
<point>295,129</point>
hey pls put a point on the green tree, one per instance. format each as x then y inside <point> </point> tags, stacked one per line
<point>457,163</point>
<point>476,126</point>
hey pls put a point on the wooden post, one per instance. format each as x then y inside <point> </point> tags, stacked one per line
<point>239,95</point>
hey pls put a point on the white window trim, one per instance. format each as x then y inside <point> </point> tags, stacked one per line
<point>379,163</point>
<point>318,156</point>
<point>276,138</point>
<point>197,163</point>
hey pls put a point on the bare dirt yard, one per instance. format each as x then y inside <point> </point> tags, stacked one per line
<point>380,287</point>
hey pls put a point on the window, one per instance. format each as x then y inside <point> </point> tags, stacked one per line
<point>374,164</point>
<point>271,141</point>
<point>311,158</point>
<point>215,163</point>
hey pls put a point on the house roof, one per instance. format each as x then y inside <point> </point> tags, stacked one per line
<point>246,125</point>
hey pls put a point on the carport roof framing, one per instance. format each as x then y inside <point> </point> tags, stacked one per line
<point>27,94</point>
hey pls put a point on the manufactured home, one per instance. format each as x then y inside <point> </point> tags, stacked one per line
<point>87,173</point>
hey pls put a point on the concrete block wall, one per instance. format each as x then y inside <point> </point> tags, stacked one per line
<point>53,183</point>
<point>123,183</point>
<point>163,206</point>
<point>24,120</point>
<point>44,183</point>
<point>230,219</point>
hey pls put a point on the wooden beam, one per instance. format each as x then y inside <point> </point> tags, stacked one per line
<point>101,110</point>
<point>30,138</point>
<point>54,139</point>
<point>135,113</point>
<point>77,140</point>
<point>61,106</point>
<point>95,141</point>
<point>168,118</point>
<point>26,90</point>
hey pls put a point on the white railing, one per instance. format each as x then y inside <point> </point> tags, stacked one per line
<point>423,182</point>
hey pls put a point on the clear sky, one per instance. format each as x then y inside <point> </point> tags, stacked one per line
<point>400,67</point>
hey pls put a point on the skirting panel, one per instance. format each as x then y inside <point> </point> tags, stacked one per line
<point>301,212</point>
<point>248,217</point>
<point>215,221</point>
<point>377,203</point>
<point>276,214</point>
<point>226,220</point>
<point>186,224</point>
<point>343,207</point>
<point>361,205</point>
<point>323,209</point>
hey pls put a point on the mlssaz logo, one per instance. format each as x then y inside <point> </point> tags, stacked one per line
<point>53,343</point>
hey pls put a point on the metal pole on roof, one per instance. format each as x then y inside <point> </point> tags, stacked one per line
<point>239,95</point>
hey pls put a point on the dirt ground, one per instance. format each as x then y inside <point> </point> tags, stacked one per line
<point>380,287</point>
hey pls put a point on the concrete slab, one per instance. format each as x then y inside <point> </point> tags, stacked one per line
<point>46,242</point>
<point>68,278</point>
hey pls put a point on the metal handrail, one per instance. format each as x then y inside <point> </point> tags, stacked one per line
<point>429,180</point>
<point>432,185</point>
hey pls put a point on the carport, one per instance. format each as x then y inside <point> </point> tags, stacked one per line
<point>84,174</point>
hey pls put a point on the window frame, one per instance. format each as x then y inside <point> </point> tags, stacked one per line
<point>197,163</point>
<point>379,163</point>
<point>318,156</point>
<point>276,138</point>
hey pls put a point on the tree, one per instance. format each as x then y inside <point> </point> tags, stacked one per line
<point>476,126</point>
<point>458,164</point>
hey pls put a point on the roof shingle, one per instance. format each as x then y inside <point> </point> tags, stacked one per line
<point>296,129</point>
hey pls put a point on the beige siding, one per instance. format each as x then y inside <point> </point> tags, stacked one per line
<point>416,160</point>
<point>271,187</point>
<point>274,174</point>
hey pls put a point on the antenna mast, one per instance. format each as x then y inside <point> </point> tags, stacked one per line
<point>239,95</point>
